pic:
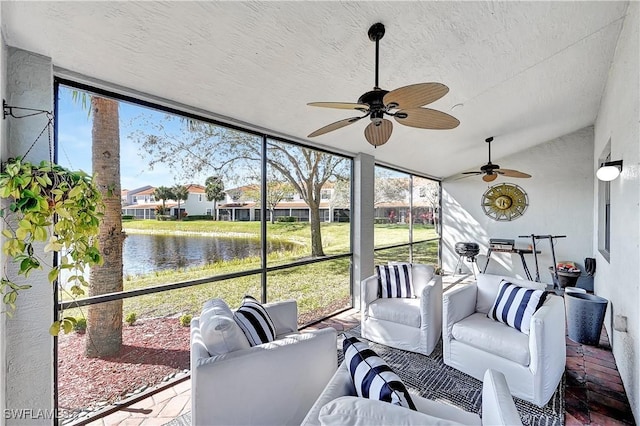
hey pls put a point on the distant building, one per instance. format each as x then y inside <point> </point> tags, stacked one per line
<point>142,204</point>
<point>240,205</point>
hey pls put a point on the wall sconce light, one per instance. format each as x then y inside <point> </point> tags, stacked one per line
<point>609,170</point>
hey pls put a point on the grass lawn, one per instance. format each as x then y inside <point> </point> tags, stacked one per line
<point>319,288</point>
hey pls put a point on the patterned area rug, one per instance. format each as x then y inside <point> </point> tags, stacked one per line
<point>431,378</point>
<point>183,420</point>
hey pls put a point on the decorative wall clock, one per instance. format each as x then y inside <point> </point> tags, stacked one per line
<point>504,202</point>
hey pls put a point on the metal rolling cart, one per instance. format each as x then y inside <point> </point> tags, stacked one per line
<point>534,238</point>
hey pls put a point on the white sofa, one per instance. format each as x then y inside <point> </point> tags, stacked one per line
<point>472,343</point>
<point>273,383</point>
<point>410,324</point>
<point>339,405</point>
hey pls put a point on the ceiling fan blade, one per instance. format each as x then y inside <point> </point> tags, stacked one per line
<point>334,126</point>
<point>341,105</point>
<point>471,173</point>
<point>489,178</point>
<point>378,133</point>
<point>460,176</point>
<point>512,173</point>
<point>415,95</point>
<point>426,118</point>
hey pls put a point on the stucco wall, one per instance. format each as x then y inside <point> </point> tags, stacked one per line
<point>619,278</point>
<point>560,195</point>
<point>28,364</point>
<point>3,152</point>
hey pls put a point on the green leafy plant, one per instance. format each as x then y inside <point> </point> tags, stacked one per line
<point>80,326</point>
<point>185,320</point>
<point>50,209</point>
<point>131,318</point>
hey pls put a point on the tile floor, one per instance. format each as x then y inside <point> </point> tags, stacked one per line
<point>594,393</point>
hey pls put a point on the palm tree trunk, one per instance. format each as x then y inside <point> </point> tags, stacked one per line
<point>104,320</point>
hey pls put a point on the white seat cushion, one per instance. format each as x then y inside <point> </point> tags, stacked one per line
<point>494,337</point>
<point>398,310</point>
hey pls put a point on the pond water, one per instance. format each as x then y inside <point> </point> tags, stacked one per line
<point>145,253</point>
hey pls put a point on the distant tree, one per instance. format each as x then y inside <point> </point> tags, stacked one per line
<point>389,189</point>
<point>277,190</point>
<point>237,154</point>
<point>181,193</point>
<point>341,194</point>
<point>163,193</point>
<point>214,189</point>
<point>235,194</point>
<point>430,192</point>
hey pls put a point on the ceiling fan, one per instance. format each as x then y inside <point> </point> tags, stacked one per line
<point>491,171</point>
<point>404,104</point>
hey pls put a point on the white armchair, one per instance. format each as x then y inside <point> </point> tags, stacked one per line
<point>472,343</point>
<point>268,384</point>
<point>410,324</point>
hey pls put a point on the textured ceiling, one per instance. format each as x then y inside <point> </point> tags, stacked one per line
<point>524,72</point>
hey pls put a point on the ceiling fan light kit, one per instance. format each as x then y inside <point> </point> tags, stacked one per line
<point>404,104</point>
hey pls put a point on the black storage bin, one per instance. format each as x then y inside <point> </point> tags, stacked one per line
<point>585,315</point>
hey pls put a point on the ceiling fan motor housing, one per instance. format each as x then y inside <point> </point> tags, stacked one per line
<point>374,99</point>
<point>490,167</point>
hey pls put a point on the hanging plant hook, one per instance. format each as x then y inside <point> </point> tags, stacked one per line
<point>7,110</point>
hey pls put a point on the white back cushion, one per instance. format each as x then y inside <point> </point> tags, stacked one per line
<point>488,285</point>
<point>220,333</point>
<point>421,274</point>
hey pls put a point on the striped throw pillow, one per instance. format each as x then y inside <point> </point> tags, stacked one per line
<point>516,305</point>
<point>372,377</point>
<point>255,322</point>
<point>394,280</point>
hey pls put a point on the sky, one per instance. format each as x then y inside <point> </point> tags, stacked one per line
<point>74,143</point>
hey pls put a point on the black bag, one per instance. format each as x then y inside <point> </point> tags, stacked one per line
<point>590,265</point>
